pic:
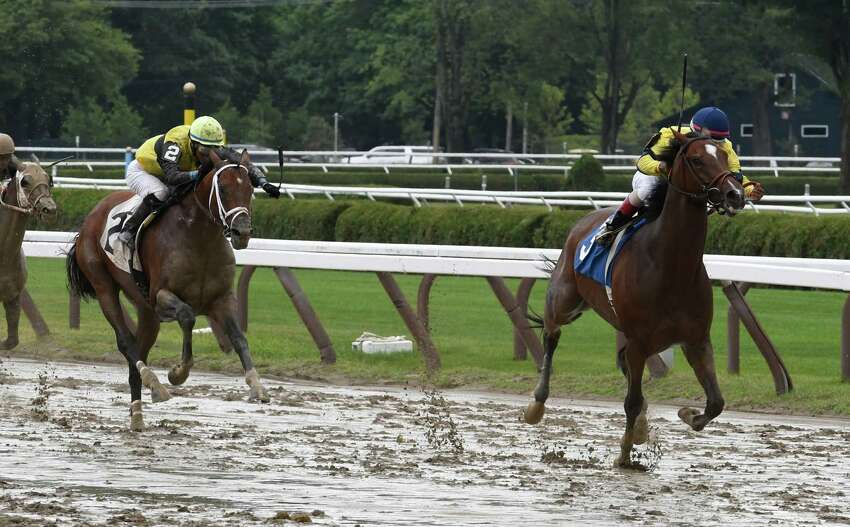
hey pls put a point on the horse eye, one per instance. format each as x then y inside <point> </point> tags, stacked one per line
<point>696,161</point>
<point>25,183</point>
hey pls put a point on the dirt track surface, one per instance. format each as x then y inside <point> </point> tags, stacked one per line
<point>339,456</point>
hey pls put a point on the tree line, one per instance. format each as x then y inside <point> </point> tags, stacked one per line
<point>456,73</point>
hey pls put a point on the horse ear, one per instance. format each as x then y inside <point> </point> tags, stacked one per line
<point>214,157</point>
<point>679,136</point>
<point>244,160</point>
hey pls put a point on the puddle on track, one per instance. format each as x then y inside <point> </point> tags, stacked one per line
<point>390,457</point>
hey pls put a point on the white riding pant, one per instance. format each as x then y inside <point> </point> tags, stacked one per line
<point>144,184</point>
<point>643,186</point>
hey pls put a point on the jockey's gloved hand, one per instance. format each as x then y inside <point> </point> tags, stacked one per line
<point>258,179</point>
<point>271,190</point>
<point>194,175</point>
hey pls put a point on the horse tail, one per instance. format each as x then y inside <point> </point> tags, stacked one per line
<point>78,283</point>
<point>534,317</point>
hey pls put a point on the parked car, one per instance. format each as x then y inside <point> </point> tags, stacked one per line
<point>484,160</point>
<point>395,155</point>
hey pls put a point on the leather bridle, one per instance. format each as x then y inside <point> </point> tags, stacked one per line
<point>710,193</point>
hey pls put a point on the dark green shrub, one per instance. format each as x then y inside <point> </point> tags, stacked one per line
<point>587,174</point>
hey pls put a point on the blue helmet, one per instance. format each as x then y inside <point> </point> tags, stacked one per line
<point>713,120</point>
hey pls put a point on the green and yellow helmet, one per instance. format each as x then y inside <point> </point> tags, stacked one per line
<point>207,131</point>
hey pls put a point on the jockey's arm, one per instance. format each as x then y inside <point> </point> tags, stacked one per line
<point>647,162</point>
<point>168,159</point>
<point>258,178</point>
<point>752,189</point>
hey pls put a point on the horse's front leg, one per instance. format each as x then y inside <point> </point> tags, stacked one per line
<point>224,314</point>
<point>635,360</point>
<point>13,317</point>
<point>169,307</point>
<point>701,358</point>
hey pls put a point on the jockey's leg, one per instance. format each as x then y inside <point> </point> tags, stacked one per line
<point>642,186</point>
<point>151,189</point>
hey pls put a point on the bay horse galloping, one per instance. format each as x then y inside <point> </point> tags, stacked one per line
<point>25,194</point>
<point>661,293</point>
<point>190,267</point>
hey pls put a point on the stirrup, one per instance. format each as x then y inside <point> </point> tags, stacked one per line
<point>607,236</point>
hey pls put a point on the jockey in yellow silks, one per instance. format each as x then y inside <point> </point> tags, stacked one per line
<point>708,122</point>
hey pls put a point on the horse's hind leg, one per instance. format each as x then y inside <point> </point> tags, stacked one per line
<point>139,374</point>
<point>701,358</point>
<point>635,405</point>
<point>223,314</point>
<point>13,317</point>
<point>170,307</point>
<point>563,305</point>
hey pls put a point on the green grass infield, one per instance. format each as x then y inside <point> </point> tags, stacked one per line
<point>475,341</point>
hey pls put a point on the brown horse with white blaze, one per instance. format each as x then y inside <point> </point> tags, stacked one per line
<point>661,291</point>
<point>190,268</point>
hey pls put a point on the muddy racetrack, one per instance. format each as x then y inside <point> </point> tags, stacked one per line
<point>339,456</point>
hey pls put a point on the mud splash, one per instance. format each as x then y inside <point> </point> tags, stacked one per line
<point>336,456</point>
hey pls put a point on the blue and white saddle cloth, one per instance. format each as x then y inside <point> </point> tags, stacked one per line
<point>596,261</point>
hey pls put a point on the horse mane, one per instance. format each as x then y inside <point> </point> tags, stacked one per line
<point>668,153</point>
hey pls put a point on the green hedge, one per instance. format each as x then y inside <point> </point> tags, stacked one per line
<point>365,221</point>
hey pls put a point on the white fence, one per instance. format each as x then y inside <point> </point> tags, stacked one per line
<point>479,261</point>
<point>496,263</point>
<point>511,163</point>
<point>801,204</point>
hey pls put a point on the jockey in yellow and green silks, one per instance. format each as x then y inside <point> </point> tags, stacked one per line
<point>179,156</point>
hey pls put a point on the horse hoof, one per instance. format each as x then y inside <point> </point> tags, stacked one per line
<point>687,415</point>
<point>159,394</point>
<point>8,344</point>
<point>623,462</point>
<point>178,374</point>
<point>258,393</point>
<point>137,422</point>
<point>534,412</point>
<point>640,434</point>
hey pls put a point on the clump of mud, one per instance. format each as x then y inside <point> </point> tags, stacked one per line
<point>586,458</point>
<point>440,428</point>
<point>5,374</point>
<point>42,394</point>
<point>297,517</point>
<point>648,457</point>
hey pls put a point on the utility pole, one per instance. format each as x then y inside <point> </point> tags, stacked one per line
<point>525,127</point>
<point>337,117</point>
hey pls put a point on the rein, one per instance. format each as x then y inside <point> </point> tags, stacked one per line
<point>223,214</point>
<point>24,204</point>
<point>709,189</point>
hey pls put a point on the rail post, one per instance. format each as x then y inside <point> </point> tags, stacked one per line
<point>412,321</point>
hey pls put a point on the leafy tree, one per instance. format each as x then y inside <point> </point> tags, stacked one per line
<point>119,124</point>
<point>825,27</point>
<point>263,123</point>
<point>635,42</point>
<point>770,46</point>
<point>223,51</point>
<point>57,54</point>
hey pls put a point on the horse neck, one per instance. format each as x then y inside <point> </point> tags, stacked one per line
<point>13,225</point>
<point>195,205</point>
<point>681,232</point>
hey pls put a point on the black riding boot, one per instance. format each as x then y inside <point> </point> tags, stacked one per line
<point>131,226</point>
<point>614,225</point>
